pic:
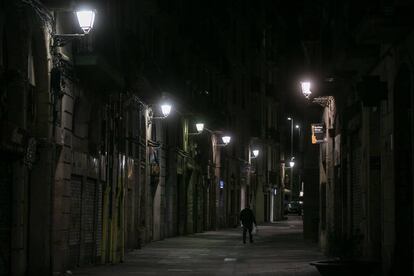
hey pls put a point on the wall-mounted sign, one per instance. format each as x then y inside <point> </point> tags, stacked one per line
<point>318,133</point>
<point>221,184</point>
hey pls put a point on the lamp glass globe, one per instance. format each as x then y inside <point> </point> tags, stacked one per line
<point>86,18</point>
<point>226,139</point>
<point>166,109</point>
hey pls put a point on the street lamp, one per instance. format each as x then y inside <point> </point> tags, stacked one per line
<point>306,85</point>
<point>86,19</point>
<point>292,163</point>
<point>226,139</point>
<point>255,153</point>
<point>166,109</point>
<point>199,127</point>
<point>298,128</point>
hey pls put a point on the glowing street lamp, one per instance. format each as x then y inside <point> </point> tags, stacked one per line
<point>255,153</point>
<point>306,85</point>
<point>292,163</point>
<point>86,18</point>
<point>299,129</point>
<point>226,139</point>
<point>166,109</point>
<point>200,127</point>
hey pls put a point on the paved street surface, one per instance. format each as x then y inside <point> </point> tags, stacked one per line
<point>278,249</point>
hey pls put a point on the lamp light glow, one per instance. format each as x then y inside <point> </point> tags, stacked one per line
<point>200,127</point>
<point>306,85</point>
<point>166,109</point>
<point>297,126</point>
<point>226,139</point>
<point>289,119</point>
<point>255,153</point>
<point>86,18</point>
<point>292,164</point>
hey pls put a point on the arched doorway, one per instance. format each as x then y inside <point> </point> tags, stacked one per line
<point>403,162</point>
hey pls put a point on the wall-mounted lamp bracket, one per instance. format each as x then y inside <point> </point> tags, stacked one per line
<point>322,101</point>
<point>221,145</point>
<point>151,119</point>
<point>60,40</point>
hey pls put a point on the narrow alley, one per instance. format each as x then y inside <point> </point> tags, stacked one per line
<point>278,249</point>
<point>136,137</point>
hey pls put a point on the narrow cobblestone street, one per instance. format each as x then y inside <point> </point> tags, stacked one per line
<point>278,249</point>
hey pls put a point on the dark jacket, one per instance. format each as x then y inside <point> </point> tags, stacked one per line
<point>247,218</point>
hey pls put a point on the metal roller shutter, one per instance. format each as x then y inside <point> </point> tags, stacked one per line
<point>88,222</point>
<point>85,231</point>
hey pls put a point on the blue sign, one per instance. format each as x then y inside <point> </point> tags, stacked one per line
<point>221,184</point>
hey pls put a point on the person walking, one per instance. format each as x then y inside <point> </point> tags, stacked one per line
<point>247,220</point>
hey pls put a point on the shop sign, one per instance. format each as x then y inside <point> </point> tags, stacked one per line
<point>318,133</point>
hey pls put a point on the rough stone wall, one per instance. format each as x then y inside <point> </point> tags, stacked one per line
<point>387,69</point>
<point>24,59</point>
<point>98,210</point>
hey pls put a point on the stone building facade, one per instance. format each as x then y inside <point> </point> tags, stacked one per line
<point>362,70</point>
<point>87,171</point>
